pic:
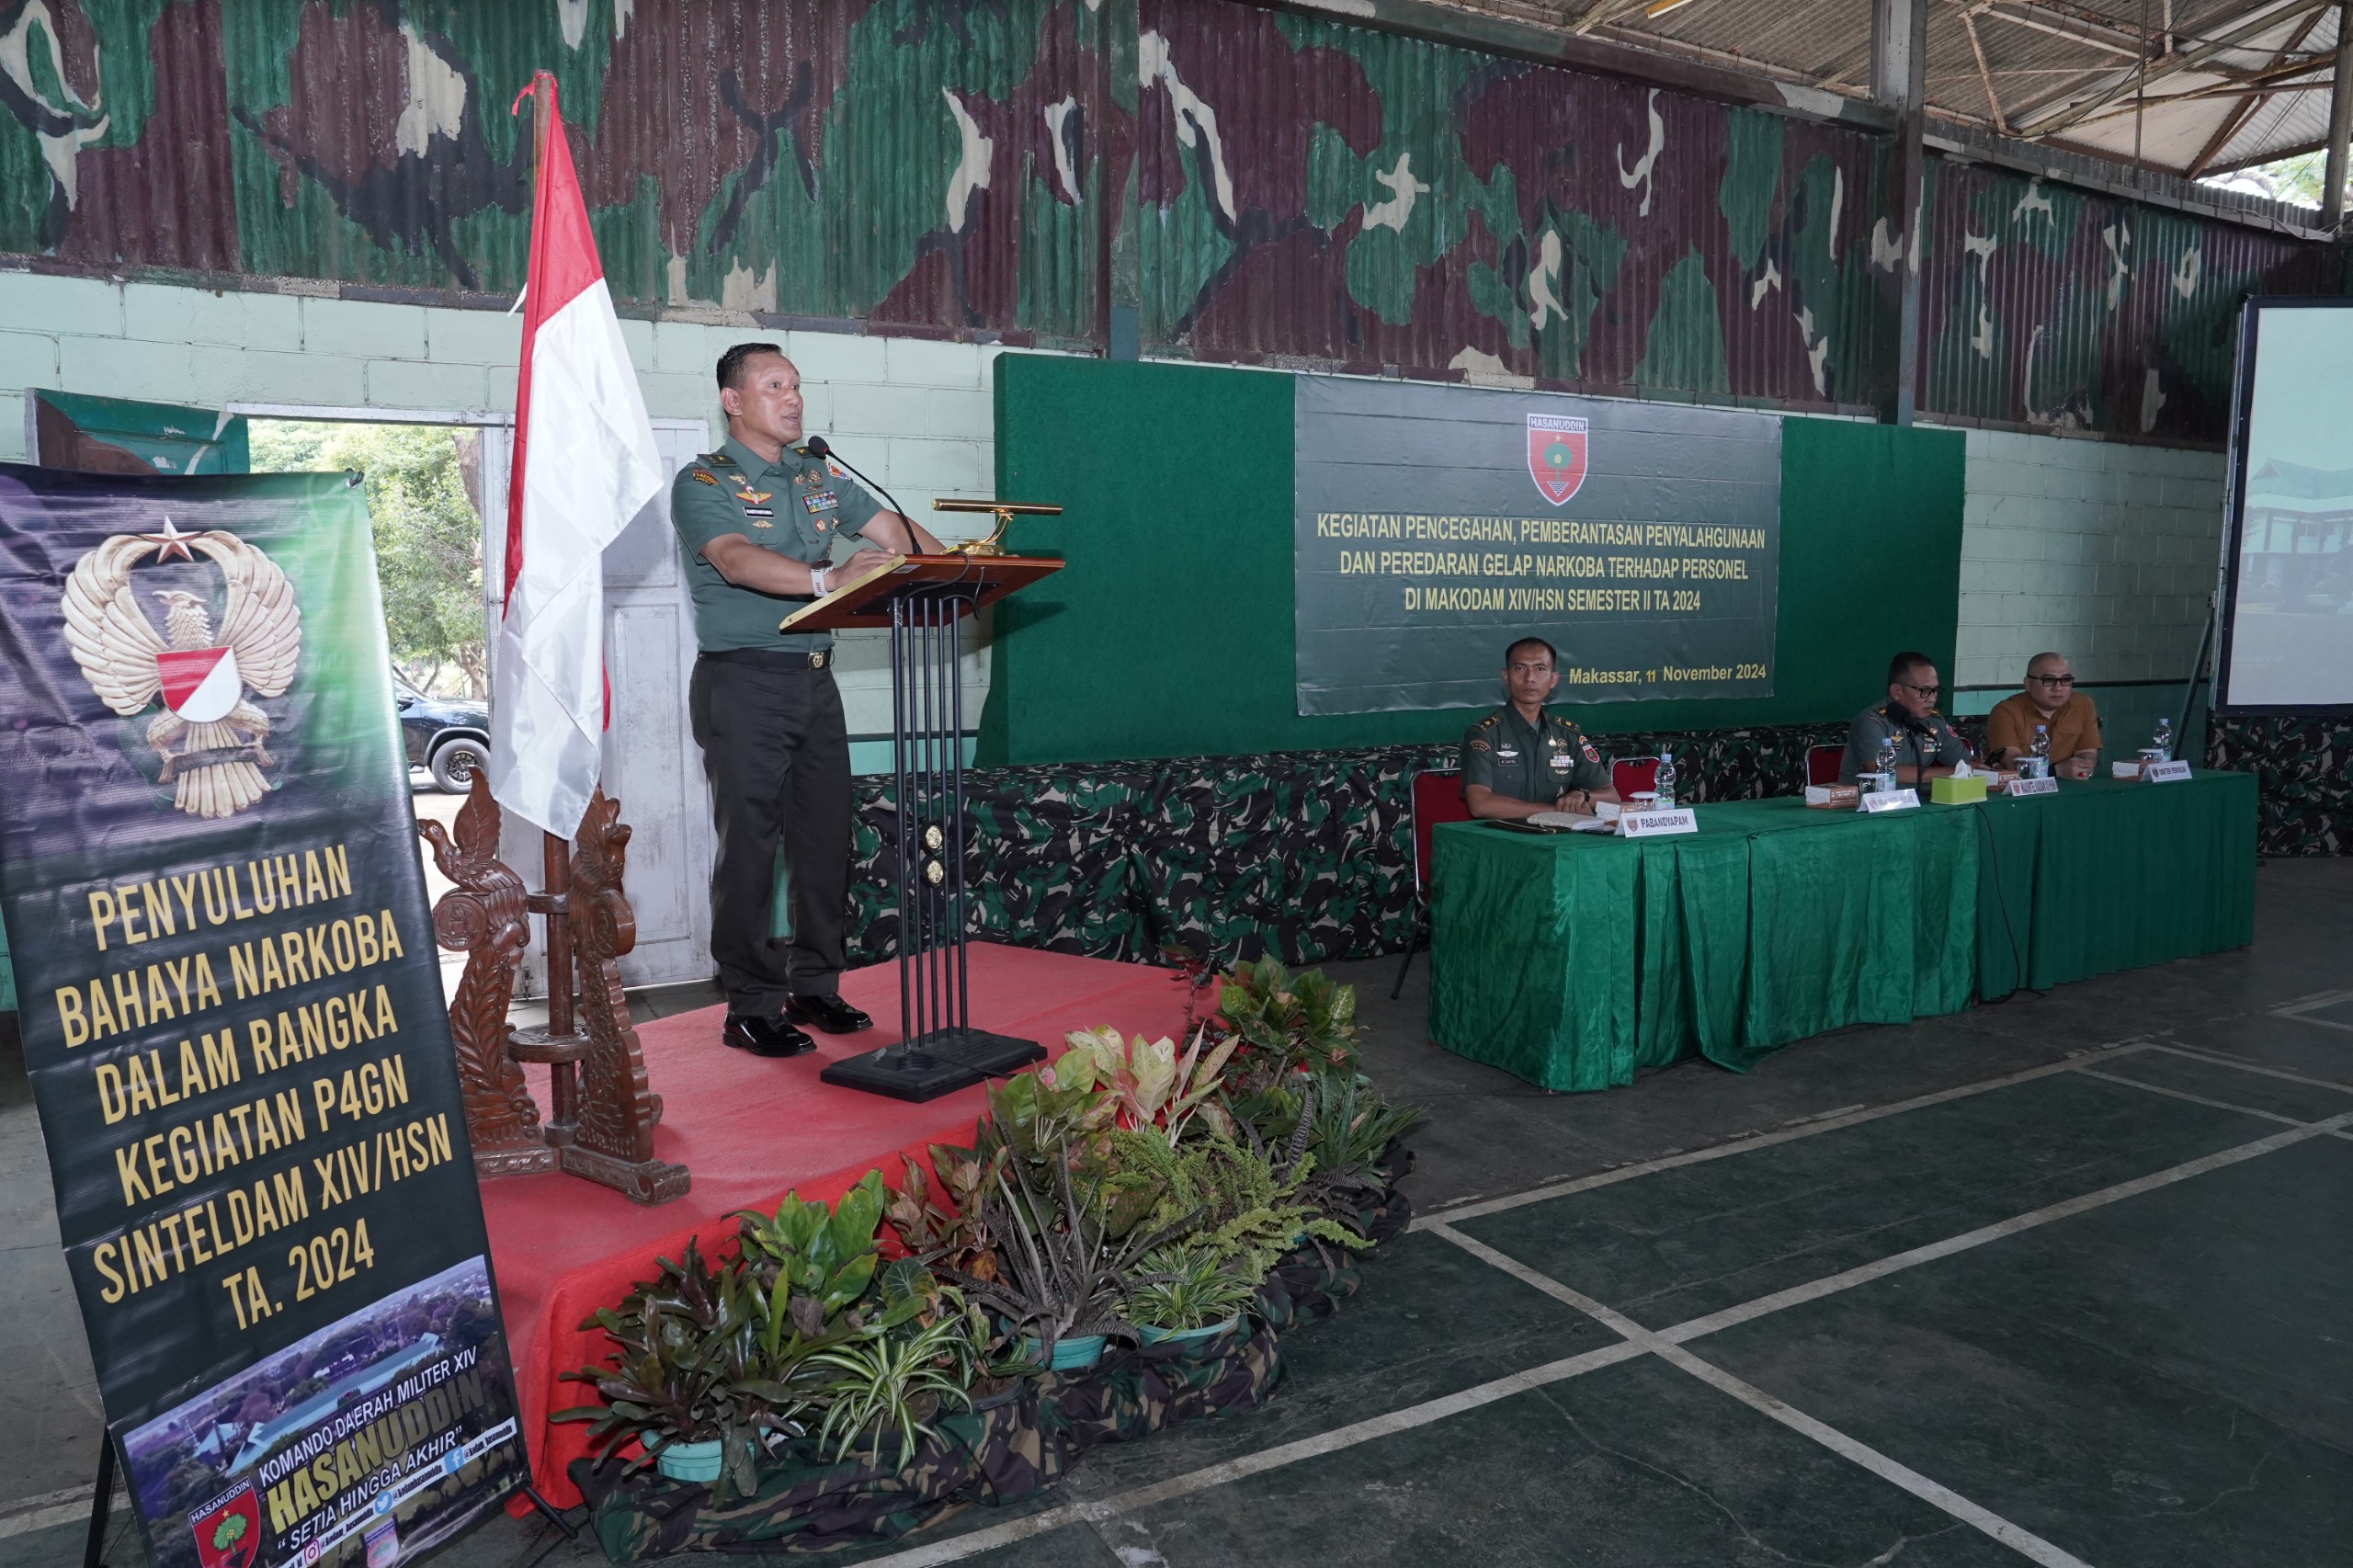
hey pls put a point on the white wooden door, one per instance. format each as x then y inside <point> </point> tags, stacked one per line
<point>651,764</point>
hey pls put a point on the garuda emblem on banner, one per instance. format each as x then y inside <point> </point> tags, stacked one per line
<point>1556,455</point>
<point>209,735</point>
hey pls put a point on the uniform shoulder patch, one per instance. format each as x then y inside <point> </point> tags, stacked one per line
<point>698,473</point>
<point>1478,745</point>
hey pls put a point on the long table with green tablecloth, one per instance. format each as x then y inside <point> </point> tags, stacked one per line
<point>1571,960</point>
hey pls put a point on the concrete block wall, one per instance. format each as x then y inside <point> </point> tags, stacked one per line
<point>915,414</point>
<point>2103,550</point>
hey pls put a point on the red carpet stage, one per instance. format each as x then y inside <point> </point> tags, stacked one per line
<point>752,1130</point>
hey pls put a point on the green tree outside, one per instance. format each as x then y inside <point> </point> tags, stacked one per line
<point>424,488</point>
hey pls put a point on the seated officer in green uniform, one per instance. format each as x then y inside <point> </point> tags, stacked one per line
<point>1520,760</point>
<point>758,519</point>
<point>1925,746</point>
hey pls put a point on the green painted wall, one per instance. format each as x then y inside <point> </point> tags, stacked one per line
<point>1169,633</point>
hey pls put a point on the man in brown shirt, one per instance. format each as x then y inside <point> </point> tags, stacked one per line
<point>2050,699</point>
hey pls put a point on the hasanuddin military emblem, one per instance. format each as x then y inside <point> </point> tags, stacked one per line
<point>209,735</point>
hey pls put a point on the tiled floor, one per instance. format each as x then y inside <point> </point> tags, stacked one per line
<point>2065,1279</point>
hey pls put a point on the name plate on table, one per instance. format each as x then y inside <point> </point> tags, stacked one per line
<point>1656,824</point>
<point>2024,786</point>
<point>1890,801</point>
<point>2175,772</point>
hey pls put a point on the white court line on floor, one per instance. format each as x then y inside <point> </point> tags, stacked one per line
<point>2015,1537</point>
<point>2297,1010</point>
<point>2202,1099</point>
<point>1637,1341</point>
<point>1102,1510</point>
<point>50,1509</point>
<point>2216,1059</point>
<point>1812,1290</point>
<point>1478,1208</point>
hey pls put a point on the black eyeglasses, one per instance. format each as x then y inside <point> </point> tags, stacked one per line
<point>1923,690</point>
<point>2052,680</point>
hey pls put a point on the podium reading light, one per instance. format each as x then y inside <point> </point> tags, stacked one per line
<point>1004,511</point>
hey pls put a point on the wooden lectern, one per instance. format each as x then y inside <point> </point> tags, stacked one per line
<point>922,599</point>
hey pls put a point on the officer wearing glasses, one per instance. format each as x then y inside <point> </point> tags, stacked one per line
<point>2050,701</point>
<point>1925,746</point>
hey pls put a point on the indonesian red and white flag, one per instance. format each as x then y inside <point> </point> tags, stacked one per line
<point>584,465</point>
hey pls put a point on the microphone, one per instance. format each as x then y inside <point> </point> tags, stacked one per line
<point>816,447</point>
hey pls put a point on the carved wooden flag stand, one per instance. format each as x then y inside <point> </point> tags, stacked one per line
<point>601,1114</point>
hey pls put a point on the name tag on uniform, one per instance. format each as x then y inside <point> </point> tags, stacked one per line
<point>759,511</point>
<point>820,501</point>
<point>1636,823</point>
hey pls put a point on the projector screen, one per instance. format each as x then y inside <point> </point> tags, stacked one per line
<point>2287,611</point>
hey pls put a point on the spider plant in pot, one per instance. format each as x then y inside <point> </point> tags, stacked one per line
<point>892,1384</point>
<point>1187,1294</point>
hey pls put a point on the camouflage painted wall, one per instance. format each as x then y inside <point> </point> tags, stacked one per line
<point>1252,186</point>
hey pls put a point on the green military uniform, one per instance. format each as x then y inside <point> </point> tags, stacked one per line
<point>1927,743</point>
<point>769,718</point>
<point>1532,762</point>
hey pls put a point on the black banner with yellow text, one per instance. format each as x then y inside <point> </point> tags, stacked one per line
<point>233,1021</point>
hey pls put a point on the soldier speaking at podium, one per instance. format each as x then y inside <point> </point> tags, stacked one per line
<point>759,518</point>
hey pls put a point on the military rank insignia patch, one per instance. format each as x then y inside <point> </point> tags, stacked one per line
<point>698,473</point>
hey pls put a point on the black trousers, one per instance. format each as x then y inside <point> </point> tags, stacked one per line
<point>777,753</point>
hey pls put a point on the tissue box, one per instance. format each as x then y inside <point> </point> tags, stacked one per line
<point>1832,797</point>
<point>1956,791</point>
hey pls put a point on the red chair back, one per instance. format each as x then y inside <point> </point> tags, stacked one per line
<point>1822,763</point>
<point>1438,798</point>
<point>1634,776</point>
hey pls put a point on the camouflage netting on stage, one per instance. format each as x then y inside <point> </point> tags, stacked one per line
<point>1304,855</point>
<point>997,1455</point>
<point>1019,1444</point>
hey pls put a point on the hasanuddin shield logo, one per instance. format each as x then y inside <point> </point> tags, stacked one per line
<point>1556,455</point>
<point>228,1528</point>
<point>209,735</point>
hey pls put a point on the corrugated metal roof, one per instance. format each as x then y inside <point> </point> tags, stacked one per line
<point>2037,57</point>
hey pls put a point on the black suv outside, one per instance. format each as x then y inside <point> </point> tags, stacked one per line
<point>451,737</point>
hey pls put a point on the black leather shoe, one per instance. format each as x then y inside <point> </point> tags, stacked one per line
<point>830,1014</point>
<point>765,1037</point>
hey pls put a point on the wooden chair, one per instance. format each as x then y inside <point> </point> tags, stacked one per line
<point>1437,798</point>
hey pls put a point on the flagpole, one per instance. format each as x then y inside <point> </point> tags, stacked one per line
<point>555,855</point>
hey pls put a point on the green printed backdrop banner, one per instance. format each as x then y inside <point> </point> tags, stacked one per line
<point>232,1019</point>
<point>1437,524</point>
<point>1170,632</point>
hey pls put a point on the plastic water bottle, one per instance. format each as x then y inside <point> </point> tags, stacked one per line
<point>2042,752</point>
<point>1888,749</point>
<point>2162,742</point>
<point>1664,782</point>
